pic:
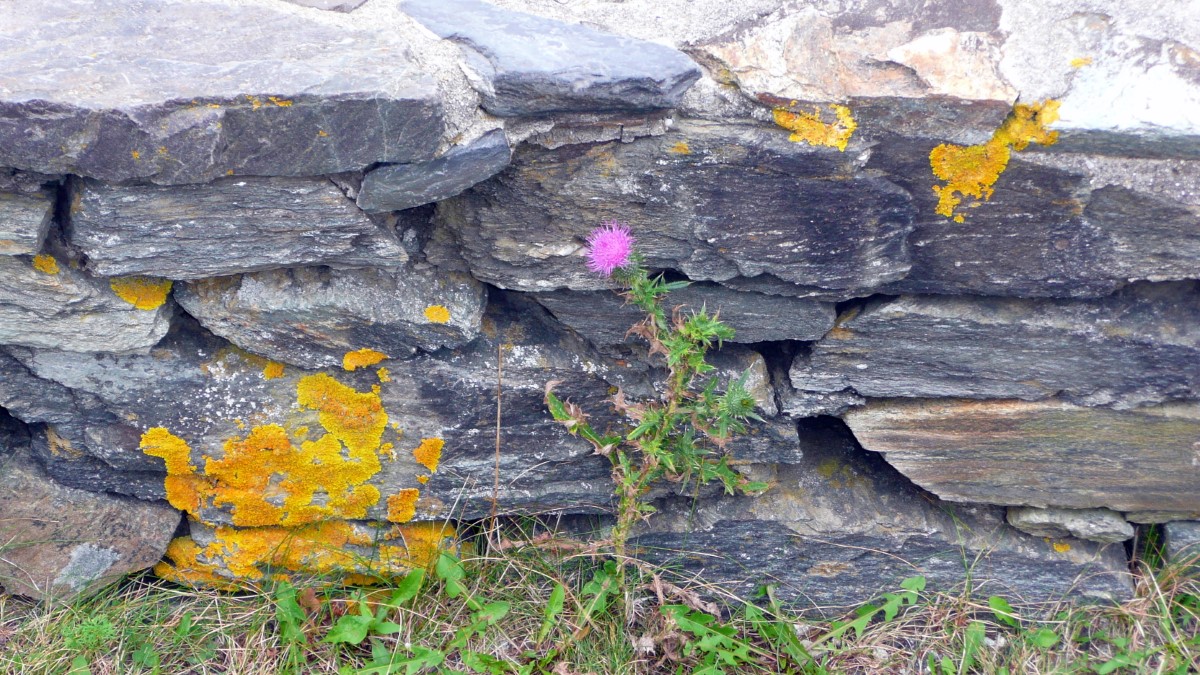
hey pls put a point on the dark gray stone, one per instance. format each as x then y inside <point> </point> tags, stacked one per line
<point>603,316</point>
<point>1182,542</point>
<point>403,186</point>
<point>1043,453</point>
<point>713,201</point>
<point>228,226</point>
<point>841,528</point>
<point>181,92</point>
<point>530,65</point>
<point>26,208</point>
<point>60,542</point>
<point>1138,346</point>
<point>64,308</point>
<point>14,436</point>
<point>311,316</point>
<point>1102,525</point>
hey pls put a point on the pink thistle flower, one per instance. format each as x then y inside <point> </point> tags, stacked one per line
<point>609,247</point>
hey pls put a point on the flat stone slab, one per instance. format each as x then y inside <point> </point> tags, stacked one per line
<point>403,186</point>
<point>713,201</point>
<point>1102,525</point>
<point>1044,454</point>
<point>46,303</point>
<point>228,226</point>
<point>604,317</point>
<point>26,207</point>
<point>185,92</point>
<point>530,65</point>
<point>841,528</point>
<point>60,542</point>
<point>1135,347</point>
<point>311,316</point>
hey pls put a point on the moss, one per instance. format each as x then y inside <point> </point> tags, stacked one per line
<point>272,371</point>
<point>808,127</point>
<point>45,264</point>
<point>361,359</point>
<point>437,314</point>
<point>402,506</point>
<point>971,171</point>
<point>429,453</point>
<point>146,293</point>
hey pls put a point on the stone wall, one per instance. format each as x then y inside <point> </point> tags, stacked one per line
<point>265,262</point>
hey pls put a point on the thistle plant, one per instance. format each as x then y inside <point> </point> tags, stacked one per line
<point>682,436</point>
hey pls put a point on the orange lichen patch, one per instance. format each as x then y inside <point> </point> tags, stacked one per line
<point>146,293</point>
<point>355,418</point>
<point>174,451</point>
<point>402,506</point>
<point>59,446</point>
<point>272,371</point>
<point>239,556</point>
<point>971,171</point>
<point>808,127</point>
<point>135,154</point>
<point>429,453</point>
<point>322,133</point>
<point>437,314</point>
<point>388,449</point>
<point>422,479</point>
<point>680,148</point>
<point>361,359</point>
<point>268,481</point>
<point>45,264</point>
<point>384,374</point>
<point>281,102</point>
<point>1081,61</point>
<point>1061,547</point>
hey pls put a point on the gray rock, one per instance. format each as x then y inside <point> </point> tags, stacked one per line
<point>1044,454</point>
<point>403,186</point>
<point>713,201</point>
<point>529,65</point>
<point>54,306</point>
<point>842,527</point>
<point>26,208</point>
<point>311,316</point>
<point>1154,517</point>
<point>329,5</point>
<point>185,92</point>
<point>1138,346</point>
<point>1102,525</point>
<point>228,226</point>
<point>59,542</point>
<point>14,436</point>
<point>603,316</point>
<point>1045,232</point>
<point>1182,542</point>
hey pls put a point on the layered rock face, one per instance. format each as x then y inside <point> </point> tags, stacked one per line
<point>282,285</point>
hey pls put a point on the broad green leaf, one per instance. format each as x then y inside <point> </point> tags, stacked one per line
<point>554,607</point>
<point>1002,610</point>
<point>408,587</point>
<point>1043,638</point>
<point>914,584</point>
<point>350,629</point>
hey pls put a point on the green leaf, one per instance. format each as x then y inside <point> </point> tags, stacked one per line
<point>493,612</point>
<point>408,587</point>
<point>554,607</point>
<point>350,629</point>
<point>972,642</point>
<point>1003,611</point>
<point>79,666</point>
<point>450,571</point>
<point>1043,638</point>
<point>914,584</point>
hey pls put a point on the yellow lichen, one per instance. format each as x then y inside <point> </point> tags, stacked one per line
<point>422,479</point>
<point>429,453</point>
<point>146,293</point>
<point>281,102</point>
<point>322,133</point>
<point>437,314</point>
<point>1061,547</point>
<point>362,358</point>
<point>174,451</point>
<point>272,371</point>
<point>808,127</point>
<point>135,154</point>
<point>680,148</point>
<point>1081,61</point>
<point>402,506</point>
<point>45,264</point>
<point>971,171</point>
<point>384,375</point>
<point>355,418</point>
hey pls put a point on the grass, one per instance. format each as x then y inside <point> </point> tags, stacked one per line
<point>527,609</point>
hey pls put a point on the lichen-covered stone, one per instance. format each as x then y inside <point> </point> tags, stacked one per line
<point>604,317</point>
<point>841,528</point>
<point>45,302</point>
<point>60,542</point>
<point>714,201</point>
<point>185,92</point>
<point>1135,347</point>
<point>228,226</point>
<point>403,186</point>
<point>1102,525</point>
<point>1044,454</point>
<point>528,65</point>
<point>26,208</point>
<point>311,316</point>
